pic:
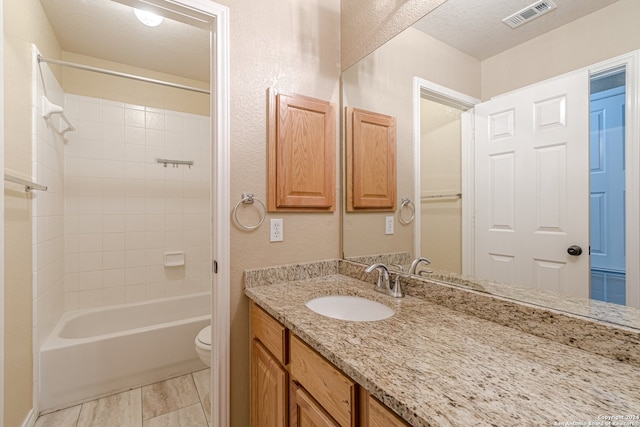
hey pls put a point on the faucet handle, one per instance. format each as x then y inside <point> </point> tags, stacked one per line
<point>396,290</point>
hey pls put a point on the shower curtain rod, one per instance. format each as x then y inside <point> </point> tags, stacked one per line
<point>119,74</point>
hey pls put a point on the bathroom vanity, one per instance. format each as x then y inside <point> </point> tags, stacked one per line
<point>433,363</point>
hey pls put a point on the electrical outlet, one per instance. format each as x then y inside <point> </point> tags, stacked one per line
<point>276,233</point>
<point>388,225</point>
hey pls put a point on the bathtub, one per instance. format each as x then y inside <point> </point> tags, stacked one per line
<point>96,352</point>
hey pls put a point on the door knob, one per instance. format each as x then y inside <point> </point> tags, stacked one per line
<point>574,250</point>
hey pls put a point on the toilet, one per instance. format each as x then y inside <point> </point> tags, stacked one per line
<point>203,345</point>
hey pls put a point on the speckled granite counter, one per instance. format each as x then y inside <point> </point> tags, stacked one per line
<point>436,366</point>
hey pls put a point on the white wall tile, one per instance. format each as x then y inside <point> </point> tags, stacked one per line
<point>112,260</point>
<point>113,150</point>
<point>135,258</point>
<point>113,296</point>
<point>90,242</point>
<point>113,114</point>
<point>123,209</point>
<point>134,135</point>
<point>134,153</point>
<point>89,109</point>
<point>111,278</point>
<point>112,241</point>
<point>155,138</point>
<point>134,117</point>
<point>88,280</point>
<point>135,293</point>
<point>135,275</point>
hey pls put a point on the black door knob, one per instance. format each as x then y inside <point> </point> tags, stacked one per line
<point>574,250</point>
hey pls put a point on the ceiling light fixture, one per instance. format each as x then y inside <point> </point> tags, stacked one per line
<point>148,18</point>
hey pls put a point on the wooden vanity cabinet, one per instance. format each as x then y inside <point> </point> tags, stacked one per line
<point>292,385</point>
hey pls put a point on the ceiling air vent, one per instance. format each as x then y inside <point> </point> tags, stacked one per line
<point>530,12</point>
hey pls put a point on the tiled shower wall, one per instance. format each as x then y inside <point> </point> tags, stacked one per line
<point>124,210</point>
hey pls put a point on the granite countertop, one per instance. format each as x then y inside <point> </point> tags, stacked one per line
<point>436,366</point>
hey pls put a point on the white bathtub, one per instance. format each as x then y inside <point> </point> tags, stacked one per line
<point>92,353</point>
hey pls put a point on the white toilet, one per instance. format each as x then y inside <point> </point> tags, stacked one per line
<point>203,345</point>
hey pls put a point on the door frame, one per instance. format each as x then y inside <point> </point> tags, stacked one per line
<point>217,17</point>
<point>631,62</point>
<point>2,214</point>
<point>425,88</point>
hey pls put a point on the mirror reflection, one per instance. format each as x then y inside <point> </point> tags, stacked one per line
<point>434,78</point>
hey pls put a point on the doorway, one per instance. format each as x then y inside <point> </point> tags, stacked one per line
<point>607,186</point>
<point>214,19</point>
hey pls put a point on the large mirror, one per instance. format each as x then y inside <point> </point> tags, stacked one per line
<point>430,77</point>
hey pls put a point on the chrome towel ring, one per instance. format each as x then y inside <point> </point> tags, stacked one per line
<point>248,199</point>
<point>406,204</point>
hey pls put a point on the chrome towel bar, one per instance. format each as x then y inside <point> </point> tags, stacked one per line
<point>28,185</point>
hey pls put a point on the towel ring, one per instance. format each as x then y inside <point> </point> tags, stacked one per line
<point>248,199</point>
<point>406,203</point>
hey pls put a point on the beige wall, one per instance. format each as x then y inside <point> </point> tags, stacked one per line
<point>295,47</point>
<point>24,23</point>
<point>102,86</point>
<point>366,25</point>
<point>383,82</point>
<point>601,35</point>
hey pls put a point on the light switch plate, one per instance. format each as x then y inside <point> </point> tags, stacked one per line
<point>388,227</point>
<point>275,230</point>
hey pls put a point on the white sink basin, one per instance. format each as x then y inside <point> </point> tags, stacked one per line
<point>352,308</point>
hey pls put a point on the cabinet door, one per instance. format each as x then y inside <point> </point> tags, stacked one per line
<point>268,389</point>
<point>302,160</point>
<point>370,161</point>
<point>375,414</point>
<point>306,412</point>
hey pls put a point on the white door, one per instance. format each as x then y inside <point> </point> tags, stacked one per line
<point>532,186</point>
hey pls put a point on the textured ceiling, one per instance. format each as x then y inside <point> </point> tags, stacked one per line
<point>476,28</point>
<point>109,30</point>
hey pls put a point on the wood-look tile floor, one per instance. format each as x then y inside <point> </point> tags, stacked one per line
<point>182,401</point>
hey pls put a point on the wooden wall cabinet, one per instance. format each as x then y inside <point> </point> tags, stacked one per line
<point>370,161</point>
<point>301,154</point>
<point>292,385</point>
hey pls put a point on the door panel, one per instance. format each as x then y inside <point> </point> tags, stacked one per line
<point>532,186</point>
<point>607,158</point>
<point>608,180</point>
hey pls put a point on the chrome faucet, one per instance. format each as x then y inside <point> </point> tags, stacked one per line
<point>382,285</point>
<point>416,262</point>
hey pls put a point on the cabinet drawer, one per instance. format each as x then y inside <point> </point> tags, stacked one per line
<point>269,332</point>
<point>330,387</point>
